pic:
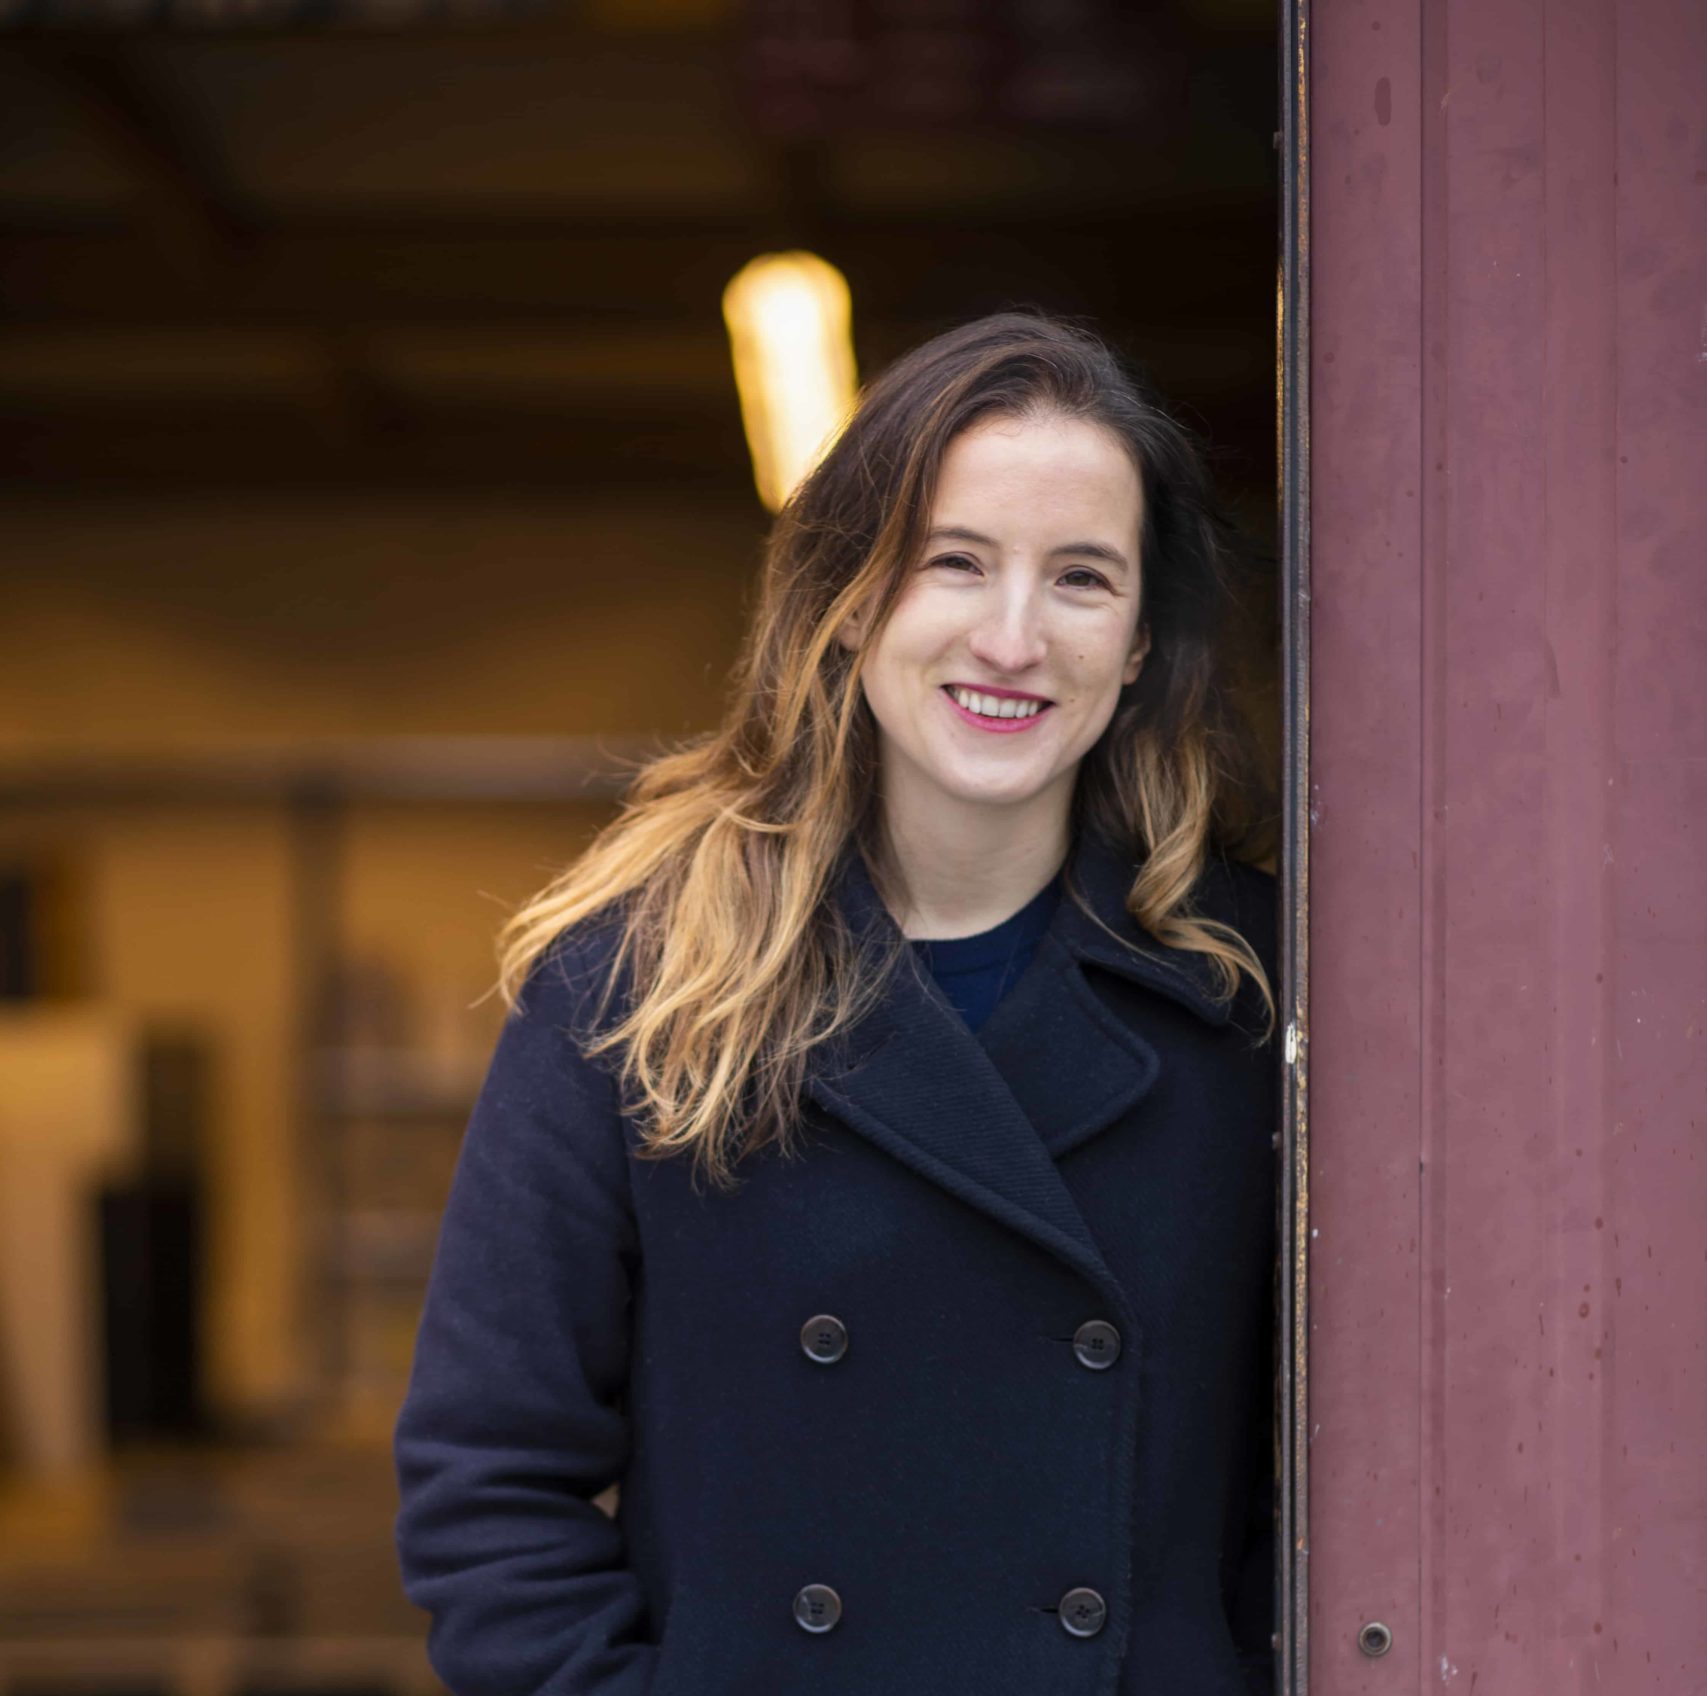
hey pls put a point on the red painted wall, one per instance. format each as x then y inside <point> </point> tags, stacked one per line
<point>1508,925</point>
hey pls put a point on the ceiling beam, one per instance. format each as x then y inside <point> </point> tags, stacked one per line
<point>193,220</point>
<point>189,214</point>
<point>236,448</point>
<point>661,455</point>
<point>1194,259</point>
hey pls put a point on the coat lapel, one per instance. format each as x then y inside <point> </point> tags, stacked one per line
<point>987,1115</point>
<point>1072,1066</point>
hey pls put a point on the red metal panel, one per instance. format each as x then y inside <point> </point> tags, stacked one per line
<point>1508,932</point>
<point>1654,1291</point>
<point>1365,755</point>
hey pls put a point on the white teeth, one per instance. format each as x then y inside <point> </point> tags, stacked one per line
<point>996,706</point>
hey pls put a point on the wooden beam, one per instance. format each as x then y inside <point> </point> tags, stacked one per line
<point>189,214</point>
<point>638,454</point>
<point>194,222</point>
<point>1189,263</point>
<point>263,449</point>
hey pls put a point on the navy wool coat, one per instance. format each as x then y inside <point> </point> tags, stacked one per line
<point>972,1399</point>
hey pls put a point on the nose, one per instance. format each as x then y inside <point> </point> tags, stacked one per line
<point>1008,636</point>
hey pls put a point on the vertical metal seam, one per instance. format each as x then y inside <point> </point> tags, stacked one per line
<point>1433,329</point>
<point>1293,391</point>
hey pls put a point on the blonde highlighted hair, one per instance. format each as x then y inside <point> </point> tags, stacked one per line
<point>717,872</point>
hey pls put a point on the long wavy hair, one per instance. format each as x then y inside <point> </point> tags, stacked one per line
<point>717,872</point>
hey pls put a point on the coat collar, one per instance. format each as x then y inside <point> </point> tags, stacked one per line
<point>988,1114</point>
<point>1106,872</point>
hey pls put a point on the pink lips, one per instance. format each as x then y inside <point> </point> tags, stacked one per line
<point>996,726</point>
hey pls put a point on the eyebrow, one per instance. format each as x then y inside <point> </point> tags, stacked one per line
<point>1083,550</point>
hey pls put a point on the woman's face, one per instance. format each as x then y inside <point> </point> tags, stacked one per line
<point>1023,602</point>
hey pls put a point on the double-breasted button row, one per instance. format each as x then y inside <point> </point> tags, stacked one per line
<point>824,1338</point>
<point>1082,1611</point>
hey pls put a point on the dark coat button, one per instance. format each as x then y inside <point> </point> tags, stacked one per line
<point>816,1607</point>
<point>824,1338</point>
<point>1083,1612</point>
<point>1097,1344</point>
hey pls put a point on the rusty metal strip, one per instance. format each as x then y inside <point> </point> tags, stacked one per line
<point>1292,1589</point>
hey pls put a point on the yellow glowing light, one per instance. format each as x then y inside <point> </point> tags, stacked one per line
<point>790,334</point>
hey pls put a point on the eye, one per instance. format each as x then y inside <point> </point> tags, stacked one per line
<point>1097,580</point>
<point>955,559</point>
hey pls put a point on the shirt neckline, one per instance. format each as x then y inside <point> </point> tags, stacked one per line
<point>997,944</point>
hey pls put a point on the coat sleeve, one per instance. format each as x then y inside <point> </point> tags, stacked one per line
<point>512,1422</point>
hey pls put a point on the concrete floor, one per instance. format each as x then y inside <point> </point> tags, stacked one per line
<point>210,1572</point>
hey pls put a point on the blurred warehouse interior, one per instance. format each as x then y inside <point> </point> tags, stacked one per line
<point>375,487</point>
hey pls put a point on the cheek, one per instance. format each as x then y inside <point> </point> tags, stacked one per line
<point>1100,667</point>
<point>884,684</point>
<point>915,638</point>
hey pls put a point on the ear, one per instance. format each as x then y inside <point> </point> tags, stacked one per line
<point>851,631</point>
<point>1135,658</point>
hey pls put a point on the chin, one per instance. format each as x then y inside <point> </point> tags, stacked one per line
<point>993,795</point>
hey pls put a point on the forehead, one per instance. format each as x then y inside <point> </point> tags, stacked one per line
<point>1037,471</point>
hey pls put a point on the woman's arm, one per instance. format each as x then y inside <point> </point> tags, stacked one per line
<point>512,1423</point>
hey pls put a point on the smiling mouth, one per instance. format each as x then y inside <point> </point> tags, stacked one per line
<point>996,712</point>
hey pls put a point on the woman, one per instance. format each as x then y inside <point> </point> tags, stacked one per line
<point>875,1176</point>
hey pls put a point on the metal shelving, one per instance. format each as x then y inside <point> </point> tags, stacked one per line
<point>369,1253</point>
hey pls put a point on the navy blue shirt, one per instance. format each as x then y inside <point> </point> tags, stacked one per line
<point>975,972</point>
